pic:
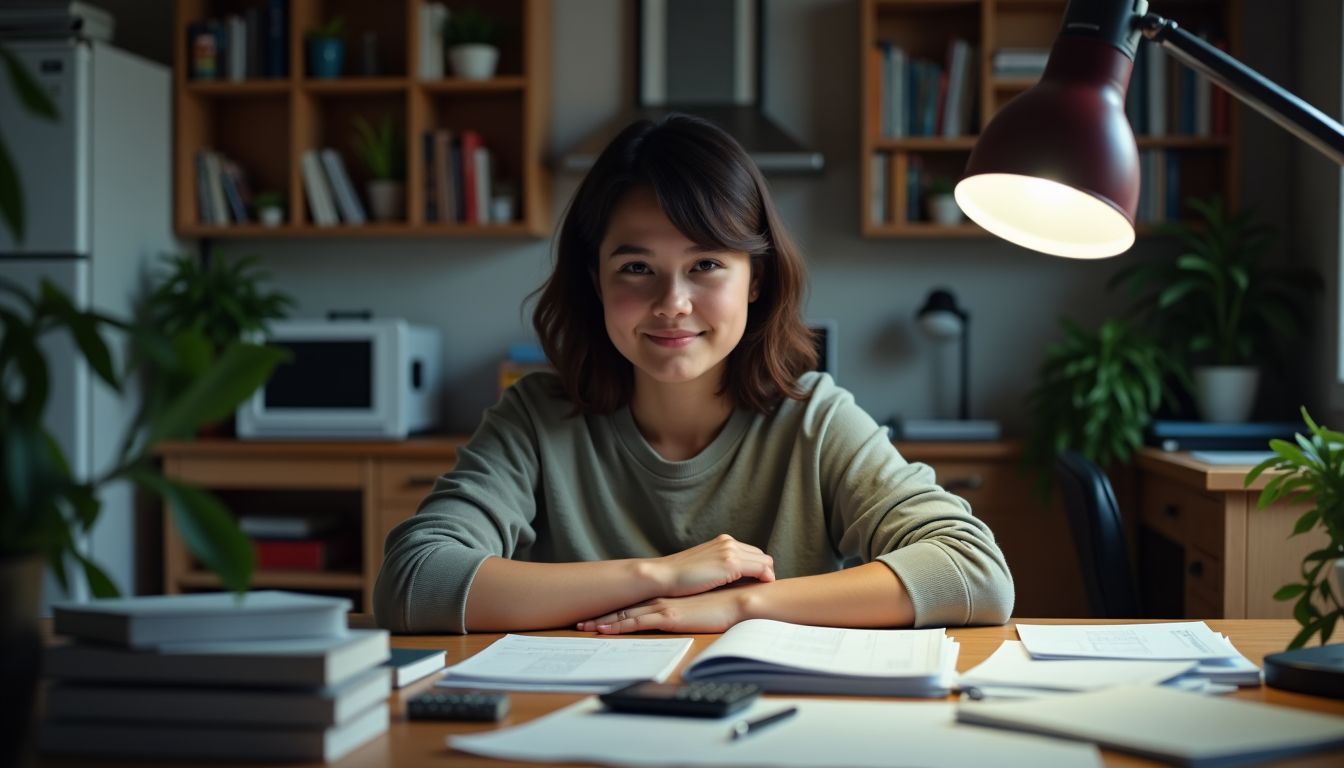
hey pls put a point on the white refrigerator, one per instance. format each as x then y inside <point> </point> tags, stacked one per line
<point>97,189</point>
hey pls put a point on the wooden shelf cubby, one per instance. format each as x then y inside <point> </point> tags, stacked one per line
<point>1205,164</point>
<point>266,124</point>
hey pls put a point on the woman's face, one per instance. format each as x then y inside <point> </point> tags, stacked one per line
<point>672,308</point>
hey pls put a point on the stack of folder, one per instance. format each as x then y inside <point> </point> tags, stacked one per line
<point>269,676</point>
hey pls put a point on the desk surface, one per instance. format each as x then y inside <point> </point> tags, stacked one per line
<point>423,743</point>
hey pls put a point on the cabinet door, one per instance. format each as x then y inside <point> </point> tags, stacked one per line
<point>400,486</point>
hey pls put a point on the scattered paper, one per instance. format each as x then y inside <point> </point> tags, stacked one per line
<point>569,664</point>
<point>1012,666</point>
<point>1171,641</point>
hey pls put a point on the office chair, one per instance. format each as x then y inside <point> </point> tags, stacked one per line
<point>1099,537</point>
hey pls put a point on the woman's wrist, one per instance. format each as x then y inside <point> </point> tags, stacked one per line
<point>651,575</point>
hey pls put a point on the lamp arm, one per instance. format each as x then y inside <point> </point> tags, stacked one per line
<point>1250,87</point>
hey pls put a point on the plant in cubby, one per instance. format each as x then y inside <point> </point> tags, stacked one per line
<point>326,49</point>
<point>270,208</point>
<point>380,148</point>
<point>941,205</point>
<point>471,39</point>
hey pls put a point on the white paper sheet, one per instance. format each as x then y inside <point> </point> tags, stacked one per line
<point>1167,724</point>
<point>1169,641</point>
<point>583,664</point>
<point>1011,665</point>
<point>824,732</point>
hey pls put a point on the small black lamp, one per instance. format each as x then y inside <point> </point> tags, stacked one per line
<point>941,318</point>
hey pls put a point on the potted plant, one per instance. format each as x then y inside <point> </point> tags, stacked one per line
<point>1097,392</point>
<point>941,206</point>
<point>1222,310</point>
<point>325,45</point>
<point>1312,473</point>
<point>471,39</point>
<point>223,300</point>
<point>381,151</point>
<point>270,208</point>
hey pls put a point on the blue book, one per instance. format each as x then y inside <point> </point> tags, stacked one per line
<point>277,49</point>
<point>1210,435</point>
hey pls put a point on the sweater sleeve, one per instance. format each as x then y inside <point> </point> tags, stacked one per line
<point>485,506</point>
<point>886,509</point>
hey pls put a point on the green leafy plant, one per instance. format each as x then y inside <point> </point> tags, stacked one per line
<point>1312,472</point>
<point>333,29</point>
<point>379,148</point>
<point>1216,301</point>
<point>224,299</point>
<point>468,26</point>
<point>938,185</point>
<point>44,508</point>
<point>268,199</point>
<point>1096,393</point>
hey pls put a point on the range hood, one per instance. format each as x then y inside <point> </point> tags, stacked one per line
<point>703,57</point>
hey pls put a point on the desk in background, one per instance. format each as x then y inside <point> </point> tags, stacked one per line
<point>421,744</point>
<point>1203,548</point>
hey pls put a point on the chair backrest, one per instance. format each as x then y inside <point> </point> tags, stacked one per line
<point>1099,537</point>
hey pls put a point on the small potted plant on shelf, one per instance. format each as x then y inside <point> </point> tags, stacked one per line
<point>1221,309</point>
<point>270,207</point>
<point>1096,393</point>
<point>941,205</point>
<point>503,203</point>
<point>325,46</point>
<point>471,39</point>
<point>381,151</point>
<point>1313,473</point>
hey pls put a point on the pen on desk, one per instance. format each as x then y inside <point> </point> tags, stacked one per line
<point>746,727</point>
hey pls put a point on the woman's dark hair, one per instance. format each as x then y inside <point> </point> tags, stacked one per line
<point>713,194</point>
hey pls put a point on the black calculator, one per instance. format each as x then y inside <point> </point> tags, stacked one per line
<point>467,705</point>
<point>698,699</point>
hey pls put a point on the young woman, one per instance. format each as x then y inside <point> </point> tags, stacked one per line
<point>683,470</point>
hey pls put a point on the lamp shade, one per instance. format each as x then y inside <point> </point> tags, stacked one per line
<point>1057,169</point>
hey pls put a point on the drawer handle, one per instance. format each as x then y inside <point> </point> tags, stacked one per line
<point>968,483</point>
<point>1171,510</point>
<point>1197,568</point>
<point>415,481</point>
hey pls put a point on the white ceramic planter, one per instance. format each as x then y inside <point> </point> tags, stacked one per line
<point>476,61</point>
<point>387,200</point>
<point>1226,392</point>
<point>271,216</point>
<point>943,209</point>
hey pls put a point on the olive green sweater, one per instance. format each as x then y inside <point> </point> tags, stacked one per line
<point>816,484</point>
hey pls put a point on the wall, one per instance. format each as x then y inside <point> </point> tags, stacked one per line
<point>472,289</point>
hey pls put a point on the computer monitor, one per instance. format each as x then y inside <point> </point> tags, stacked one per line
<point>824,335</point>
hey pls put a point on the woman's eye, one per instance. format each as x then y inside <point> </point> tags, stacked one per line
<point>706,265</point>
<point>635,268</point>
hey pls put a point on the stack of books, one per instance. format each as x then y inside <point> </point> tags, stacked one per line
<point>268,676</point>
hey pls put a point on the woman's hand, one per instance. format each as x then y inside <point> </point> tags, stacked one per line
<point>716,563</point>
<point>703,613</point>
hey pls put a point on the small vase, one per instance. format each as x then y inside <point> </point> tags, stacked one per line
<point>476,61</point>
<point>943,210</point>
<point>1226,393</point>
<point>20,655</point>
<point>387,199</point>
<point>271,216</point>
<point>326,57</point>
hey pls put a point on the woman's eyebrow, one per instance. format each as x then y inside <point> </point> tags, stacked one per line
<point>625,249</point>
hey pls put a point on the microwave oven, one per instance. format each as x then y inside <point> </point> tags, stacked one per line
<point>348,379</point>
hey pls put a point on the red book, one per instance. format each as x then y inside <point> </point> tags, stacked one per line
<point>300,555</point>
<point>471,140</point>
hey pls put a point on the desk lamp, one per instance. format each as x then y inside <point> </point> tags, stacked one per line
<point>1057,171</point>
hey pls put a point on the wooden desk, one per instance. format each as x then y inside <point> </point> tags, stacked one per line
<point>408,744</point>
<point>1204,549</point>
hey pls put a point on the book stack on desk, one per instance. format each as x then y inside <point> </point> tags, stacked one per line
<point>270,676</point>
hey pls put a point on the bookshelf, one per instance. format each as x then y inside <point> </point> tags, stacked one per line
<point>1188,156</point>
<point>264,123</point>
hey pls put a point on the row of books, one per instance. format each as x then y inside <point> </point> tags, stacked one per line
<point>1159,186</point>
<point>459,185</point>
<point>241,46</point>
<point>269,676</point>
<point>916,97</point>
<point>332,198</point>
<point>301,542</point>
<point>1166,99</point>
<point>223,195</point>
